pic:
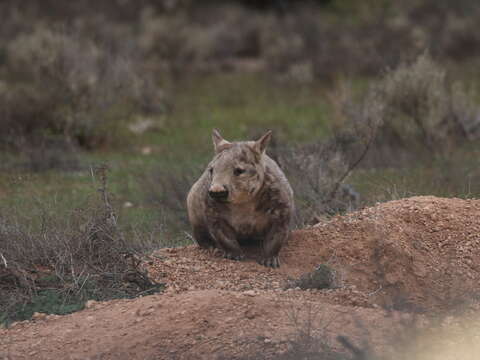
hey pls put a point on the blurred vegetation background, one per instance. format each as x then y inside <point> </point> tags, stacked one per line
<point>369,101</point>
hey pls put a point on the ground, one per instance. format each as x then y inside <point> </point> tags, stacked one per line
<point>398,266</point>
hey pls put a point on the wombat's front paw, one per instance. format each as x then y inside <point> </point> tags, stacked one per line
<point>228,255</point>
<point>272,262</point>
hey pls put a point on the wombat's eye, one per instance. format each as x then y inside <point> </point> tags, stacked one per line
<point>238,171</point>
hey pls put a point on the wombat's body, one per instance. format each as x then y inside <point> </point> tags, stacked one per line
<point>242,196</point>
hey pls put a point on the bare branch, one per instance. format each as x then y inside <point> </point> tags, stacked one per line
<point>4,260</point>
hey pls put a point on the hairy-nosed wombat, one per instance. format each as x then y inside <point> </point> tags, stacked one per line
<point>242,195</point>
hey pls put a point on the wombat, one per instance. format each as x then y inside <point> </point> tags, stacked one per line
<point>242,196</point>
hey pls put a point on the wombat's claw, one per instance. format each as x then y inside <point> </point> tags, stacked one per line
<point>231,256</point>
<point>272,262</point>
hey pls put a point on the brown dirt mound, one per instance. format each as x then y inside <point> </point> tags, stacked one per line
<point>205,324</point>
<point>420,253</point>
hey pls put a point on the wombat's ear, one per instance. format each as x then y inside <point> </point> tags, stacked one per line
<point>261,144</point>
<point>218,141</point>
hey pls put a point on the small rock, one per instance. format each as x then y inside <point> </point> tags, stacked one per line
<point>148,312</point>
<point>127,204</point>
<point>250,314</point>
<point>142,312</point>
<point>90,303</point>
<point>249,293</point>
<point>39,316</point>
<point>146,150</point>
<point>142,125</point>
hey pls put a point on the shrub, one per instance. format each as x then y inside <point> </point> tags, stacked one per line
<point>412,111</point>
<point>300,40</point>
<point>204,39</point>
<point>318,172</point>
<point>326,45</point>
<point>54,263</point>
<point>65,85</point>
<point>420,108</point>
<point>315,172</point>
<point>323,277</point>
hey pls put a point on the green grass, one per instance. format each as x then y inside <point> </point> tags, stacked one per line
<point>242,106</point>
<point>454,175</point>
<point>56,300</point>
<point>46,301</point>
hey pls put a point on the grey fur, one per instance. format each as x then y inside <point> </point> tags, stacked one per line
<point>259,205</point>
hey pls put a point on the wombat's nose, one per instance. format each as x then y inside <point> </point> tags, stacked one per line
<point>220,193</point>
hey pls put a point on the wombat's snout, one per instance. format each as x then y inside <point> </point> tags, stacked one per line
<point>218,193</point>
